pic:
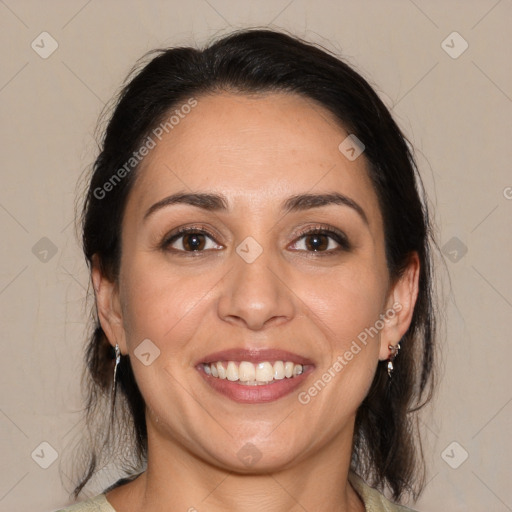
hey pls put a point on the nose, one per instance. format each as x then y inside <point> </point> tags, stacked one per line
<point>256,294</point>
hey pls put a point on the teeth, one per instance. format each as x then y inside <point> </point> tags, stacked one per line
<point>278,370</point>
<point>264,372</point>
<point>251,374</point>
<point>221,371</point>
<point>232,371</point>
<point>246,372</point>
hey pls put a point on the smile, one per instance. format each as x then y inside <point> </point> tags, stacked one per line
<point>253,374</point>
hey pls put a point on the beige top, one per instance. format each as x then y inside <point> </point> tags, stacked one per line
<point>373,500</point>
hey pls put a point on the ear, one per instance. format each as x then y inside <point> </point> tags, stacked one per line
<point>108,306</point>
<point>400,306</point>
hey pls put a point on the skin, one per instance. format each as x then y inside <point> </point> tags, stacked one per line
<point>257,151</point>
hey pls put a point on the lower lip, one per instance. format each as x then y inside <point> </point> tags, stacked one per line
<point>255,394</point>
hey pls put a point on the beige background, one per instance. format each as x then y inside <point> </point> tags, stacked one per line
<point>456,111</point>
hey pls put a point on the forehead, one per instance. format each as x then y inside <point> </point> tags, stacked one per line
<point>255,149</point>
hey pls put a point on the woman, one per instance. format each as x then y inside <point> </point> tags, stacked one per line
<point>260,258</point>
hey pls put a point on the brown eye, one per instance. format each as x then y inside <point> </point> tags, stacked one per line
<point>194,241</point>
<point>190,240</point>
<point>317,242</point>
<point>322,241</point>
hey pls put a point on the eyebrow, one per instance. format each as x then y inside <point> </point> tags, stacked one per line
<point>218,203</point>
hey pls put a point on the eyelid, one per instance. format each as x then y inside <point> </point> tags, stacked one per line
<point>324,229</point>
<point>327,230</point>
<point>179,232</point>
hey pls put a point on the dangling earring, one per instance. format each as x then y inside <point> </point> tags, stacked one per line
<point>394,352</point>
<point>118,360</point>
<point>116,364</point>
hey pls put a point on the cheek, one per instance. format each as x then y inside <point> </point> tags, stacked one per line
<point>161,305</point>
<point>348,301</point>
<point>167,309</point>
<point>348,305</point>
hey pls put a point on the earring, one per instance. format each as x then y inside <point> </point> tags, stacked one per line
<point>118,360</point>
<point>394,352</point>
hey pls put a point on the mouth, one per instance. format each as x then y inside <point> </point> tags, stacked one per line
<point>254,376</point>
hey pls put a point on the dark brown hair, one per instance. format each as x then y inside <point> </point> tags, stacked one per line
<point>386,445</point>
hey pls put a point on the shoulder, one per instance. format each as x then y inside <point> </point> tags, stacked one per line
<point>97,504</point>
<point>373,500</point>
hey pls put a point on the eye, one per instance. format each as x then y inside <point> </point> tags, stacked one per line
<point>321,241</point>
<point>324,241</point>
<point>190,239</point>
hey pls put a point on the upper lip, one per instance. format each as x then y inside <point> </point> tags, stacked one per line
<point>254,355</point>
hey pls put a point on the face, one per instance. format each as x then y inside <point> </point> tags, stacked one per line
<point>248,288</point>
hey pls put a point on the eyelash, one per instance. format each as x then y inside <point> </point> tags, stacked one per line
<point>338,236</point>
